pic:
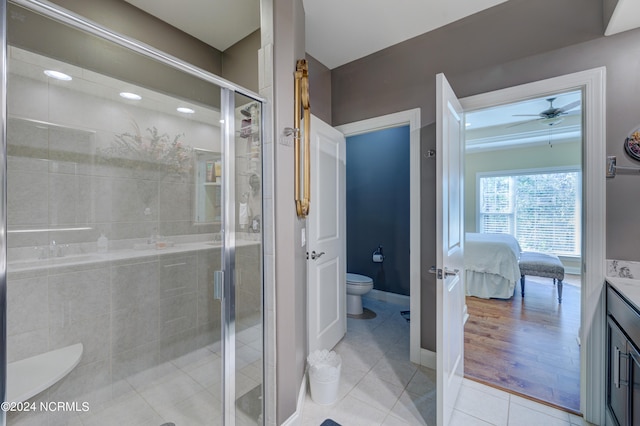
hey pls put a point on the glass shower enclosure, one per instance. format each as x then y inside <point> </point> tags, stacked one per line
<point>132,287</point>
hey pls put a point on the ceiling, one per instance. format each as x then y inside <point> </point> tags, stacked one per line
<point>517,113</point>
<point>219,23</point>
<point>626,16</point>
<point>338,31</point>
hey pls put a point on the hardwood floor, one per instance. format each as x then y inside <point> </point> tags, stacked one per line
<point>527,346</point>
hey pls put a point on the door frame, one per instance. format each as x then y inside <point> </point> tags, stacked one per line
<point>592,328</point>
<point>412,119</point>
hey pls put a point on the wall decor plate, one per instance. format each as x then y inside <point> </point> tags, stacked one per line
<point>632,145</point>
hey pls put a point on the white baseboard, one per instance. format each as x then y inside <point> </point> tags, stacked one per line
<point>296,418</point>
<point>428,359</point>
<point>572,270</point>
<point>386,296</point>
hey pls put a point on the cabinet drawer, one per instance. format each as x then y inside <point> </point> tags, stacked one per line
<point>627,317</point>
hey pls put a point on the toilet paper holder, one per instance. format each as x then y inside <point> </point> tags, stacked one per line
<point>378,256</point>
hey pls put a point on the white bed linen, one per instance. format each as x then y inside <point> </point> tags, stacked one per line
<point>491,265</point>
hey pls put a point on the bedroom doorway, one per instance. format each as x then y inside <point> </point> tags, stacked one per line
<point>523,177</point>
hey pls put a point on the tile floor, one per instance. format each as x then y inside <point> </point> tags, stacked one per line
<point>380,386</point>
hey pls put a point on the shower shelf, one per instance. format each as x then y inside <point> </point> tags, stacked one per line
<point>28,377</point>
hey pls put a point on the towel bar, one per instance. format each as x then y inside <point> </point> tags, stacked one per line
<point>612,167</point>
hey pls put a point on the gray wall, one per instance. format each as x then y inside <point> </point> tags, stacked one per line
<point>402,77</point>
<point>240,62</point>
<point>133,22</point>
<point>290,255</point>
<point>513,43</point>
<point>608,6</point>
<point>319,89</point>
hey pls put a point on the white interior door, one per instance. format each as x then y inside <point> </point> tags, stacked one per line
<point>327,245</point>
<point>450,246</point>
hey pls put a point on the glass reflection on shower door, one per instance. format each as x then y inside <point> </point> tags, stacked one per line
<point>115,233</point>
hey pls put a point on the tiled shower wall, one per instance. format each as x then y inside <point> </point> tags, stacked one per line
<point>130,316</point>
<point>57,180</point>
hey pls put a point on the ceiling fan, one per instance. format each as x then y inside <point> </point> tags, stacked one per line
<point>550,116</point>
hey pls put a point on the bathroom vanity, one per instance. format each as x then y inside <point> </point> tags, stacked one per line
<point>623,356</point>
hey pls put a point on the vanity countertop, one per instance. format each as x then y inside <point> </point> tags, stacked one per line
<point>116,255</point>
<point>627,287</point>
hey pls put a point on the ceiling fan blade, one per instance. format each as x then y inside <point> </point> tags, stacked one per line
<point>523,122</point>
<point>526,115</point>
<point>569,106</point>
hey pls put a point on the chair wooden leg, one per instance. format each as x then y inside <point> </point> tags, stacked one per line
<point>522,285</point>
<point>559,291</point>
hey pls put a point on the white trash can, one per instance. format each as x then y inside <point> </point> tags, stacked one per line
<point>324,376</point>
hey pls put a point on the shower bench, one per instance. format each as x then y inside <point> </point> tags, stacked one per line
<point>28,377</point>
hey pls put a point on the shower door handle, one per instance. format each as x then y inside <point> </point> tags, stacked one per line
<point>218,281</point>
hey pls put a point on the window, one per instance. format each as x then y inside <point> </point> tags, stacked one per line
<point>540,208</point>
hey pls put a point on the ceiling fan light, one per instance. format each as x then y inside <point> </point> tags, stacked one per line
<point>552,121</point>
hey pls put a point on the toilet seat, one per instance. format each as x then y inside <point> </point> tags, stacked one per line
<point>357,279</point>
<point>352,284</point>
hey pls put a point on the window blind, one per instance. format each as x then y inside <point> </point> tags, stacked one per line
<point>542,210</point>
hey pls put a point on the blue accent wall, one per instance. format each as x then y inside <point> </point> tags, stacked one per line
<point>378,207</point>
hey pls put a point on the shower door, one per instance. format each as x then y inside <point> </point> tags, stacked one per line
<point>133,240</point>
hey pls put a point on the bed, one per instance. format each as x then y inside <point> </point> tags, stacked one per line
<point>491,265</point>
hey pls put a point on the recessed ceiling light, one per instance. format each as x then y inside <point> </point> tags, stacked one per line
<point>130,96</point>
<point>185,110</point>
<point>467,124</point>
<point>58,75</point>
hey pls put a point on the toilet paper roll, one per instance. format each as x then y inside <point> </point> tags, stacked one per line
<point>378,258</point>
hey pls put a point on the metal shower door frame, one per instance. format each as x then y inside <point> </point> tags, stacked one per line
<point>228,91</point>
<point>3,209</point>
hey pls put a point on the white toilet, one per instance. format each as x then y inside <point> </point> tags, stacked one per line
<point>357,285</point>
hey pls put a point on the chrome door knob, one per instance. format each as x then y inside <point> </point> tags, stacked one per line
<point>450,273</point>
<point>447,272</point>
<point>315,255</point>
